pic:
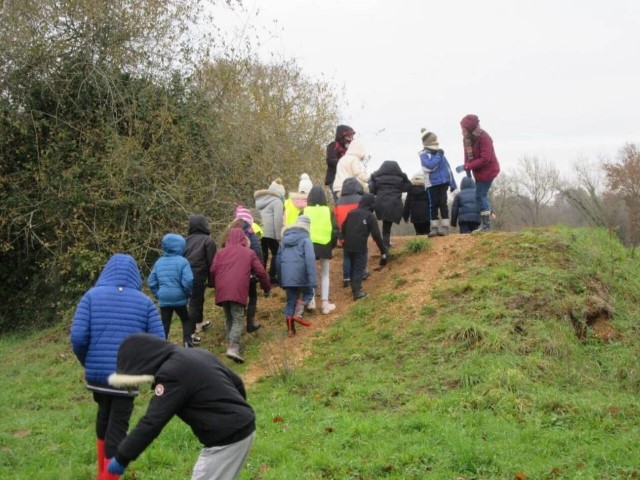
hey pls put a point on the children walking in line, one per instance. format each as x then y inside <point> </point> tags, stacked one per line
<point>324,235</point>
<point>349,199</point>
<point>297,201</point>
<point>359,224</point>
<point>388,183</point>
<point>438,179</point>
<point>416,207</point>
<point>109,312</point>
<point>296,266</point>
<point>244,220</point>
<point>230,275</point>
<point>270,203</point>
<point>171,282</point>
<point>199,251</point>
<point>464,211</point>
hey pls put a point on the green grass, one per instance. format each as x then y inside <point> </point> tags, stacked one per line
<point>499,371</point>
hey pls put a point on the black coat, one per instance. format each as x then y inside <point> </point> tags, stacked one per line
<point>190,383</point>
<point>359,224</point>
<point>200,248</point>
<point>416,206</point>
<point>388,183</point>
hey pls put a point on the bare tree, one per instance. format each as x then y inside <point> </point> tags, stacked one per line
<point>586,195</point>
<point>539,182</point>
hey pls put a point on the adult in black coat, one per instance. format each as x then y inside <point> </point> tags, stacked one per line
<point>388,183</point>
<point>195,386</point>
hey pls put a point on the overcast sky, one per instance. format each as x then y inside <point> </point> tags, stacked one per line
<point>557,79</point>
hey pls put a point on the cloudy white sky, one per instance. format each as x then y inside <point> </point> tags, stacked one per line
<point>556,79</point>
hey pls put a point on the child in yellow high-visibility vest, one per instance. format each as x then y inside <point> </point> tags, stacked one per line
<point>297,200</point>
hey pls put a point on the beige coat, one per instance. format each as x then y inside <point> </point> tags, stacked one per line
<point>351,165</point>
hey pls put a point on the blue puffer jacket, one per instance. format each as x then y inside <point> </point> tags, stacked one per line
<point>465,208</point>
<point>296,259</point>
<point>436,169</point>
<point>171,278</point>
<point>108,313</point>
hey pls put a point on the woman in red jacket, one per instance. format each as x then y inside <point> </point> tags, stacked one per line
<point>480,159</point>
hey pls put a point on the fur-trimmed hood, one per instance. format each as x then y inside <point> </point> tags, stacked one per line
<point>139,358</point>
<point>263,192</point>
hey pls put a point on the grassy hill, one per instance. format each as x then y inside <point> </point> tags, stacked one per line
<point>498,356</point>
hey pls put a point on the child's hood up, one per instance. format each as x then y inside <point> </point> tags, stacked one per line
<point>173,244</point>
<point>121,270</point>
<point>356,149</point>
<point>236,236</point>
<point>139,358</point>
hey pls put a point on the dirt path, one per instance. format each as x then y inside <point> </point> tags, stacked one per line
<point>278,351</point>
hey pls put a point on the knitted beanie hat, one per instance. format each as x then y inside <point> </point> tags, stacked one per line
<point>277,187</point>
<point>305,184</point>
<point>243,214</point>
<point>429,139</point>
<point>470,122</point>
<point>303,221</point>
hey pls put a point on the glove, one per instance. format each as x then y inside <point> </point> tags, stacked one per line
<point>115,467</point>
<point>452,189</point>
<point>383,260</point>
<point>460,168</point>
<point>267,293</point>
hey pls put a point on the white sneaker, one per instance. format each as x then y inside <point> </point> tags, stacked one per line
<point>328,308</point>
<point>312,304</point>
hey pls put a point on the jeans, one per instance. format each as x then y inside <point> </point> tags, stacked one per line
<point>482,196</point>
<point>293,293</point>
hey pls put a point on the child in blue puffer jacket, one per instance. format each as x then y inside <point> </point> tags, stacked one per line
<point>171,282</point>
<point>107,314</point>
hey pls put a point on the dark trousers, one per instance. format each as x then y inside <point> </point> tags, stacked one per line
<point>269,245</point>
<point>468,227</point>
<point>252,304</point>
<point>386,233</point>
<point>112,421</point>
<point>437,196</point>
<point>166,314</point>
<point>358,268</point>
<point>422,228</point>
<point>196,301</point>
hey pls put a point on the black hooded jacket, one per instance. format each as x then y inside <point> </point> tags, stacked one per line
<point>190,383</point>
<point>200,247</point>
<point>388,183</point>
<point>359,224</point>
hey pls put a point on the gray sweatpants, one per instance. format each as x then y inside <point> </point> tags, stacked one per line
<point>234,321</point>
<point>222,463</point>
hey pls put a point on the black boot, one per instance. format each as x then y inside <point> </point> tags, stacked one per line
<point>251,325</point>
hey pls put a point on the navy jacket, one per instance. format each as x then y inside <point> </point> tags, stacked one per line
<point>296,259</point>
<point>465,208</point>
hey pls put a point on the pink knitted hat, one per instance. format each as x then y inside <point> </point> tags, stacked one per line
<point>243,214</point>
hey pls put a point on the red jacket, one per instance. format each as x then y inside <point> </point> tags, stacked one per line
<point>485,166</point>
<point>232,267</point>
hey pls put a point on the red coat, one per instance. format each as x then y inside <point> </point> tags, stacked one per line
<point>232,268</point>
<point>485,166</point>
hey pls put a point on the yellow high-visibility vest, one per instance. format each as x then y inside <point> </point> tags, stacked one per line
<point>320,230</point>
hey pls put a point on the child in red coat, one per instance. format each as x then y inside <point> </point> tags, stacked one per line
<point>230,272</point>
